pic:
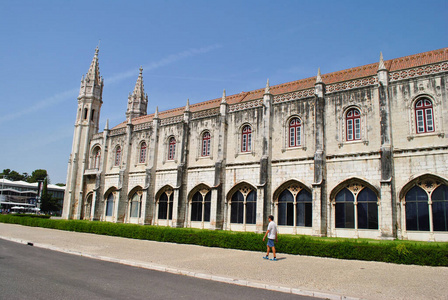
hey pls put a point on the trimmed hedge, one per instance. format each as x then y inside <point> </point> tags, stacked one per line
<point>400,252</point>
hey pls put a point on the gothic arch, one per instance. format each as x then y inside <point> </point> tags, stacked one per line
<point>244,186</point>
<point>200,187</point>
<point>166,188</point>
<point>428,182</point>
<point>290,184</point>
<point>355,185</point>
<point>111,189</point>
<point>134,190</point>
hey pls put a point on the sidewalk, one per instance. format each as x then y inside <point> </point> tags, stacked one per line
<point>304,275</point>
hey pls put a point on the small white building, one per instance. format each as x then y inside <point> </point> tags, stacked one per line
<point>24,194</point>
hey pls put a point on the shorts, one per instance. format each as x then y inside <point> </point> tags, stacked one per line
<point>270,243</point>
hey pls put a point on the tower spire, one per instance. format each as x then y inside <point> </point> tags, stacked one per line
<point>267,90</point>
<point>223,99</point>
<point>318,77</point>
<point>381,65</point>
<point>94,71</point>
<point>138,100</point>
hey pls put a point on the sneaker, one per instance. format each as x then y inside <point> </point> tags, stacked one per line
<point>274,259</point>
<point>266,257</point>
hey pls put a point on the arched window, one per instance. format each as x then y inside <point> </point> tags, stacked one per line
<point>295,127</point>
<point>345,213</point>
<point>424,116</point>
<point>367,209</point>
<point>85,113</point>
<point>96,158</point>
<point>110,205</point>
<point>243,206</point>
<point>205,144</point>
<point>246,139</point>
<point>87,208</point>
<point>286,208</point>
<point>304,209</point>
<point>117,156</point>
<point>440,208</point>
<point>417,210</point>
<point>92,115</point>
<point>356,203</point>
<point>166,206</point>
<point>237,208</point>
<point>295,209</point>
<point>353,120</point>
<point>172,148</point>
<point>135,209</point>
<point>200,206</point>
<point>142,157</point>
<point>251,208</point>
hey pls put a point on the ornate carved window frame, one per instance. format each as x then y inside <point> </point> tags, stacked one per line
<point>286,137</point>
<point>342,124</point>
<point>437,117</point>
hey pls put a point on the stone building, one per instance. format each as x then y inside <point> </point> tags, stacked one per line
<point>356,153</point>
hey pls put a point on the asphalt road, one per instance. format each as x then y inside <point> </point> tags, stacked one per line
<point>28,272</point>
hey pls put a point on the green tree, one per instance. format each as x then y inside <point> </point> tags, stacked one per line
<point>48,203</point>
<point>13,175</point>
<point>37,175</point>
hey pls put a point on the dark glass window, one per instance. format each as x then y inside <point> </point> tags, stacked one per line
<point>251,208</point>
<point>196,207</point>
<point>286,208</point>
<point>440,208</point>
<point>237,208</point>
<point>110,205</point>
<point>135,206</point>
<point>417,211</point>
<point>345,211</point>
<point>207,206</point>
<point>304,209</point>
<point>367,209</point>
<point>165,207</point>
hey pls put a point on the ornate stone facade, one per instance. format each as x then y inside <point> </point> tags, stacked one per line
<point>357,153</point>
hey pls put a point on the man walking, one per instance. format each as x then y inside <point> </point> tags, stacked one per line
<point>271,233</point>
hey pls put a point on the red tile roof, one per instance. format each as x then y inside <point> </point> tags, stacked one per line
<point>392,65</point>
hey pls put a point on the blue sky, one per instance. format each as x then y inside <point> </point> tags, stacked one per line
<point>188,50</point>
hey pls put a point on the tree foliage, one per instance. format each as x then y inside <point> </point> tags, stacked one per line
<point>36,175</point>
<point>48,202</point>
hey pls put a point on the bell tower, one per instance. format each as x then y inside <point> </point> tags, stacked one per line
<point>86,125</point>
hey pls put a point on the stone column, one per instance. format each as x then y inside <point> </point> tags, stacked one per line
<point>387,200</point>
<point>319,195</point>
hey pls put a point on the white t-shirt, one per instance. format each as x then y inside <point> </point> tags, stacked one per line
<point>272,227</point>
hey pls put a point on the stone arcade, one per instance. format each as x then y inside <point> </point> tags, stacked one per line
<point>356,153</point>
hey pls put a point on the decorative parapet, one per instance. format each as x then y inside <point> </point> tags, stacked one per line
<point>294,95</point>
<point>352,84</point>
<point>246,105</point>
<point>118,131</point>
<point>172,120</point>
<point>97,136</point>
<point>143,126</point>
<point>419,71</point>
<point>205,113</point>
